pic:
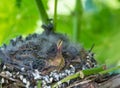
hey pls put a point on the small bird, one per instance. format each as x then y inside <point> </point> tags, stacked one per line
<point>56,63</point>
<point>59,59</point>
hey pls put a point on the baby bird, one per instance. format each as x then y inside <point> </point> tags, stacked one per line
<point>58,61</point>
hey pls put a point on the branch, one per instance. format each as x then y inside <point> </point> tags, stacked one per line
<point>109,70</point>
<point>42,12</point>
<point>113,82</point>
<point>80,74</point>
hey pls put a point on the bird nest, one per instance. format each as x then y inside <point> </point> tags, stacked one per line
<point>46,57</point>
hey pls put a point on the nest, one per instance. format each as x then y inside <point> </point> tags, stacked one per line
<point>25,61</point>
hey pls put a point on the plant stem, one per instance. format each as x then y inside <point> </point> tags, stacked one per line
<point>109,70</point>
<point>78,74</point>
<point>94,70</point>
<point>42,12</point>
<point>77,20</point>
<point>55,15</point>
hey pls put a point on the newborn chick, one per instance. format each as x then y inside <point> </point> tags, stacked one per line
<point>58,61</point>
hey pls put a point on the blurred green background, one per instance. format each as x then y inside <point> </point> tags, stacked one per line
<point>99,23</point>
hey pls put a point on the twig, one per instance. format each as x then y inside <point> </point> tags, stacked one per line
<point>80,74</point>
<point>18,83</point>
<point>92,47</point>
<point>113,82</point>
<point>80,83</point>
<point>6,77</point>
<point>109,70</point>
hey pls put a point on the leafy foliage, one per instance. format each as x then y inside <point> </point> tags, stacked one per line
<point>17,20</point>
